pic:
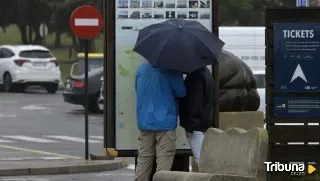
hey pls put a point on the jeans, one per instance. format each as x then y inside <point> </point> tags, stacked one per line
<point>195,142</point>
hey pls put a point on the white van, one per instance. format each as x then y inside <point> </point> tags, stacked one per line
<point>247,43</point>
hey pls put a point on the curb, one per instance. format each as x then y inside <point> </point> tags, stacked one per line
<point>91,167</point>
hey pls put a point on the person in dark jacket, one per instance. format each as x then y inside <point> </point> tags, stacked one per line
<point>196,108</point>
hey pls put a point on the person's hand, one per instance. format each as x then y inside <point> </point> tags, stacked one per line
<point>188,134</point>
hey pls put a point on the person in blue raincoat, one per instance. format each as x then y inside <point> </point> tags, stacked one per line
<point>157,93</point>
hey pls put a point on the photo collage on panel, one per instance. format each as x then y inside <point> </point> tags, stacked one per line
<point>163,9</point>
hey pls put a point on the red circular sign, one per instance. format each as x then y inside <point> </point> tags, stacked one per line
<point>86,22</point>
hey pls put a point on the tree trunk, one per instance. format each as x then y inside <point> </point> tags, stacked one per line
<point>23,32</point>
<point>30,35</point>
<point>57,41</point>
<point>92,46</point>
<point>75,44</point>
<point>38,39</point>
<point>4,29</point>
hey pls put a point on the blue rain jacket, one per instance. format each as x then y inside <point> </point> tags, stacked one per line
<point>157,91</point>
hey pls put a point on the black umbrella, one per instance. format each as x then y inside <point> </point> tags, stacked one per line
<point>178,44</point>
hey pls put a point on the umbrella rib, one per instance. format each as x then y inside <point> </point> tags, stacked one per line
<point>169,38</point>
<point>200,40</point>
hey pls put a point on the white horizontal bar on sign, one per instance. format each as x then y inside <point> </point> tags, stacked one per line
<point>86,22</point>
<point>28,138</point>
<point>69,138</point>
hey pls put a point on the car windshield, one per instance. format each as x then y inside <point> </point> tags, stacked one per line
<point>260,79</point>
<point>35,54</point>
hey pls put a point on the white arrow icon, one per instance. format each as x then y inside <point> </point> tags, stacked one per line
<point>298,73</point>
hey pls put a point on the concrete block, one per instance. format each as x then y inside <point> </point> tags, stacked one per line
<point>194,165</point>
<point>190,176</point>
<point>181,176</point>
<point>100,157</point>
<point>235,152</point>
<point>14,172</point>
<point>49,170</point>
<point>110,166</point>
<point>244,120</point>
<point>84,168</point>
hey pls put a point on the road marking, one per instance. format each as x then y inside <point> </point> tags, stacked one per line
<point>86,22</point>
<point>5,141</point>
<point>22,179</point>
<point>97,137</point>
<point>8,115</point>
<point>28,138</point>
<point>133,167</point>
<point>38,151</point>
<point>69,138</point>
<point>34,107</point>
<point>32,158</point>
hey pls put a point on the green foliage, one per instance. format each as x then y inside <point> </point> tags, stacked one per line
<point>246,12</point>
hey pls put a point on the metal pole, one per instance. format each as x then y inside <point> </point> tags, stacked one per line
<point>86,118</point>
<point>215,67</point>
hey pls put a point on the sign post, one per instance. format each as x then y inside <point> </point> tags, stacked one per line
<point>86,23</point>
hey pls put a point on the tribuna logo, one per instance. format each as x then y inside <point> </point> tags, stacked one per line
<point>297,169</point>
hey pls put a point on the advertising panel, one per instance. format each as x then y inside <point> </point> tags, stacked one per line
<point>131,16</point>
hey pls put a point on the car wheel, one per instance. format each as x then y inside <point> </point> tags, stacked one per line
<point>52,88</point>
<point>94,105</point>
<point>7,82</point>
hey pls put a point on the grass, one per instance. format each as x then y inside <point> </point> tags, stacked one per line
<point>12,36</point>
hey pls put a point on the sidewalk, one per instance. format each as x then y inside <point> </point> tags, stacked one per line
<point>51,167</point>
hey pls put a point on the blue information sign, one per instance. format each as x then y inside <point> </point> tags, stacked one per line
<point>302,3</point>
<point>297,57</point>
<point>297,106</point>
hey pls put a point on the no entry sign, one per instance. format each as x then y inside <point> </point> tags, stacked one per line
<point>86,22</point>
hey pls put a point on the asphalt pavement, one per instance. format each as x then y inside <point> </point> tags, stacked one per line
<point>37,125</point>
<point>124,174</point>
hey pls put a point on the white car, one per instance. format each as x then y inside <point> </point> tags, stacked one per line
<point>259,76</point>
<point>23,65</point>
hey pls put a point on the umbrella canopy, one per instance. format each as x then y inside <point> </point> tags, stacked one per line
<point>178,44</point>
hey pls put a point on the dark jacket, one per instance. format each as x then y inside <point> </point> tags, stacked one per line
<point>196,108</point>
